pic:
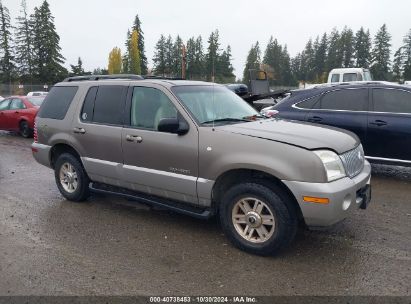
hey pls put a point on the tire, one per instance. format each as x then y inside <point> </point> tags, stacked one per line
<point>25,129</point>
<point>274,218</point>
<point>71,178</point>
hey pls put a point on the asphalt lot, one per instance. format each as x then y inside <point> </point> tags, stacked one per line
<point>109,246</point>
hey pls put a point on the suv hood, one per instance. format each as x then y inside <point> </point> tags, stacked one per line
<point>301,134</point>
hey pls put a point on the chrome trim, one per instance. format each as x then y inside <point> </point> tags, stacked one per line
<point>389,159</point>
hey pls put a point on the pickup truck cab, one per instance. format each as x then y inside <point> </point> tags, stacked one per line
<point>199,149</point>
<point>349,75</point>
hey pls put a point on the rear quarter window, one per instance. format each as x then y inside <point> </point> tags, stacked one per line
<point>308,103</point>
<point>57,102</point>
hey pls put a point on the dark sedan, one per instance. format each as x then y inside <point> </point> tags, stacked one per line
<point>378,112</point>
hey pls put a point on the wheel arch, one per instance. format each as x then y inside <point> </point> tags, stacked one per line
<point>236,176</point>
<point>59,149</point>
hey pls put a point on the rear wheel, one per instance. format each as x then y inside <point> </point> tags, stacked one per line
<point>71,178</point>
<point>258,218</point>
<point>25,129</point>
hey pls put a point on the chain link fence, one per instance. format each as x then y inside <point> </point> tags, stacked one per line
<point>21,89</point>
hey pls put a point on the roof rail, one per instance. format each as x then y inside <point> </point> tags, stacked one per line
<point>103,77</point>
<point>161,77</point>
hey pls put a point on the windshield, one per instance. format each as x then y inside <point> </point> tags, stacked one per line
<point>214,104</point>
<point>36,101</point>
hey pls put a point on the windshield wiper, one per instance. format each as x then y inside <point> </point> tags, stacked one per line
<point>227,119</point>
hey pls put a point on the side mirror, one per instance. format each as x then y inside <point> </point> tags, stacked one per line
<point>173,125</point>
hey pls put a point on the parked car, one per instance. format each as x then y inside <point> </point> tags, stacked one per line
<point>37,93</point>
<point>349,75</point>
<point>17,113</point>
<point>378,113</point>
<point>238,88</point>
<point>166,143</point>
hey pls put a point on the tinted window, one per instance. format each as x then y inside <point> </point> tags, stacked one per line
<point>4,105</point>
<point>348,100</point>
<point>88,106</point>
<point>335,78</point>
<point>309,103</point>
<point>149,106</point>
<point>17,104</point>
<point>57,102</point>
<point>393,101</point>
<point>350,77</point>
<point>109,105</point>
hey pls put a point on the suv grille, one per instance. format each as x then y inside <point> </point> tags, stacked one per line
<point>353,161</point>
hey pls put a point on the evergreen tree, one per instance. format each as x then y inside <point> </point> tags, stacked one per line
<point>347,47</point>
<point>320,59</point>
<point>212,56</point>
<point>190,58</point>
<point>200,71</point>
<point>287,77</point>
<point>159,58</point>
<point>169,59</point>
<point>77,70</point>
<point>381,54</point>
<point>141,47</point>
<point>225,67</point>
<point>398,66</point>
<point>363,48</point>
<point>253,62</point>
<point>7,67</point>
<point>406,54</point>
<point>126,56</point>
<point>335,55</point>
<point>23,45</point>
<point>115,61</point>
<point>177,57</point>
<point>134,55</point>
<point>272,58</point>
<point>47,57</point>
<point>308,62</point>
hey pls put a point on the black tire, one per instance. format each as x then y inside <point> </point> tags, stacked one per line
<point>82,191</point>
<point>25,129</point>
<point>279,204</point>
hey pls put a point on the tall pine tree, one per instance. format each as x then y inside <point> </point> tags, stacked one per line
<point>363,48</point>
<point>159,58</point>
<point>253,61</point>
<point>407,56</point>
<point>23,45</point>
<point>7,67</point>
<point>381,54</point>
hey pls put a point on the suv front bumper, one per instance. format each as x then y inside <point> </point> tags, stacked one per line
<point>355,191</point>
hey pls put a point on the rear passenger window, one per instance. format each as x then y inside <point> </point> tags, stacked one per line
<point>335,78</point>
<point>309,103</point>
<point>88,106</point>
<point>57,102</point>
<point>350,77</point>
<point>392,101</point>
<point>346,100</point>
<point>4,105</point>
<point>109,105</point>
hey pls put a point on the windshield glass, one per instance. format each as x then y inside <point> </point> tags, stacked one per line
<point>36,101</point>
<point>216,104</point>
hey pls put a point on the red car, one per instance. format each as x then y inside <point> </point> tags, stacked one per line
<point>17,114</point>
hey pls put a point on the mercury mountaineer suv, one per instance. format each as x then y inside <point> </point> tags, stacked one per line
<point>199,149</point>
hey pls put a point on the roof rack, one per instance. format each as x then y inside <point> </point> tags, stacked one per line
<point>103,77</point>
<point>161,77</point>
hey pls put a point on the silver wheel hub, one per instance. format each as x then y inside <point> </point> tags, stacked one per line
<point>253,220</point>
<point>68,178</point>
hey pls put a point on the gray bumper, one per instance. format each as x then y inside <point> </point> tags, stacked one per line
<point>345,189</point>
<point>41,154</point>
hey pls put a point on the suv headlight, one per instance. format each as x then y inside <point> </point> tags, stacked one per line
<point>332,164</point>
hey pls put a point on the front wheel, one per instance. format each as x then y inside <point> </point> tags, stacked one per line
<point>25,129</point>
<point>258,218</point>
<point>71,178</point>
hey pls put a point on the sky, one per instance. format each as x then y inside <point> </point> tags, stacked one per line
<point>91,28</point>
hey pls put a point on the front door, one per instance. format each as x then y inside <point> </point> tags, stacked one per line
<point>389,124</point>
<point>159,163</point>
<point>4,120</point>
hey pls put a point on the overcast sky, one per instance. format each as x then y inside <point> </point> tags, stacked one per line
<point>91,28</point>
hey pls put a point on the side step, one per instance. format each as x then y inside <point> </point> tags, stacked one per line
<point>152,200</point>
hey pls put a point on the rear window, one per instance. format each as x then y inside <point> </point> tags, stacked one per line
<point>346,100</point>
<point>350,77</point>
<point>57,102</point>
<point>105,105</point>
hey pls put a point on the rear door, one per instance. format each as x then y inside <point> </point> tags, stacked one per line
<point>159,163</point>
<point>4,107</point>
<point>97,132</point>
<point>389,124</point>
<point>343,108</point>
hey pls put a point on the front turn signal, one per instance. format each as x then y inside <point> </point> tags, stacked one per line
<point>316,200</point>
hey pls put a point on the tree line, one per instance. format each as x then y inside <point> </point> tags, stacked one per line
<point>343,49</point>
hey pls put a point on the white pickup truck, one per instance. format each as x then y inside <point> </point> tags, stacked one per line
<point>349,74</point>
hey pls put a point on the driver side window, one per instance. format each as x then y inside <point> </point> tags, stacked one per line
<point>148,107</point>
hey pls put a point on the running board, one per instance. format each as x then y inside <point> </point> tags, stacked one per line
<point>153,201</point>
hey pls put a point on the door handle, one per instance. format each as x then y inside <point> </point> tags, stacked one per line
<point>134,138</point>
<point>17,112</point>
<point>378,123</point>
<point>315,119</point>
<point>79,131</point>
